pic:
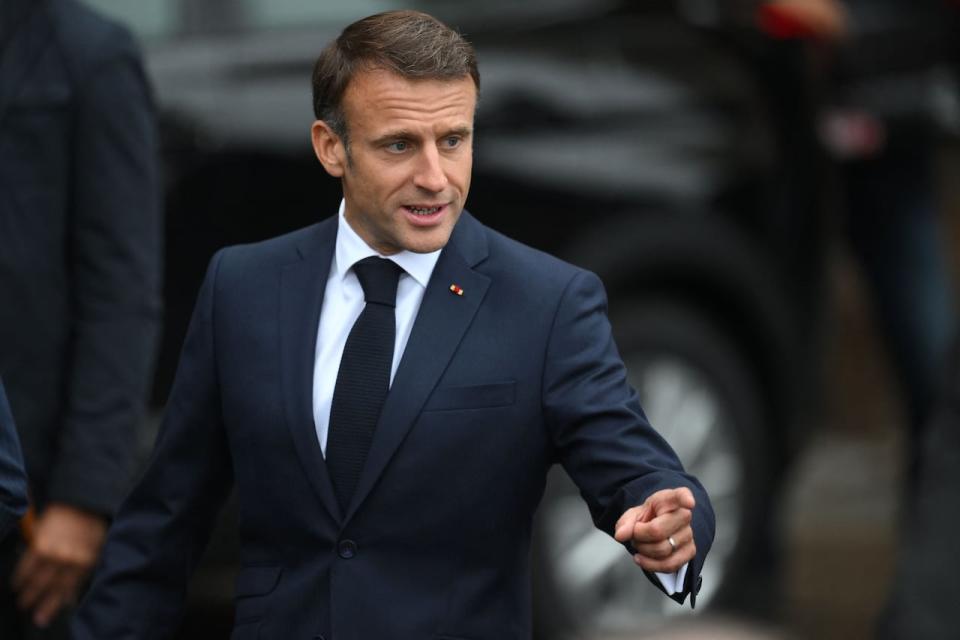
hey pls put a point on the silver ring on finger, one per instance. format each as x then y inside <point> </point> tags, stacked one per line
<point>673,545</point>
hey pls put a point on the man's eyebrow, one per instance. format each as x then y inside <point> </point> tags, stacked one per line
<point>463,132</point>
<point>406,134</point>
<point>390,136</point>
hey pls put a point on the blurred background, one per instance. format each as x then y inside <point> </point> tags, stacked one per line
<point>766,190</point>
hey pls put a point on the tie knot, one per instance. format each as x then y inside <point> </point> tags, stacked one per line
<point>379,278</point>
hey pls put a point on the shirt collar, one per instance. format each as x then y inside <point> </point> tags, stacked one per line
<point>351,249</point>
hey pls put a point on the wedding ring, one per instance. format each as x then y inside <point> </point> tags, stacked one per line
<point>673,545</point>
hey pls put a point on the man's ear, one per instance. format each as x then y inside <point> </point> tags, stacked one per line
<point>329,148</point>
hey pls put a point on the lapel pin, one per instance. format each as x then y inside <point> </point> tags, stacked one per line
<point>456,289</point>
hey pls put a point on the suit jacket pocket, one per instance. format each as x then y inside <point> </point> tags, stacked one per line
<point>253,584</point>
<point>482,396</point>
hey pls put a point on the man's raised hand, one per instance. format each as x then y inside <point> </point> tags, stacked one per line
<point>660,530</point>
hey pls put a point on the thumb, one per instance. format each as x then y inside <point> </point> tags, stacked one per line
<point>625,525</point>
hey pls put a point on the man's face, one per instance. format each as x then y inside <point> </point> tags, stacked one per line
<point>407,171</point>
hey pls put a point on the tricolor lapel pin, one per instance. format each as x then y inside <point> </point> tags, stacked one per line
<point>456,289</point>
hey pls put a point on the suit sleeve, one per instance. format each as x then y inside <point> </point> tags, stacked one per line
<point>161,529</point>
<point>13,479</point>
<point>114,252</point>
<point>601,434</point>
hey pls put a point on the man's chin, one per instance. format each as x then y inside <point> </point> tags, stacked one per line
<point>428,241</point>
<point>427,247</point>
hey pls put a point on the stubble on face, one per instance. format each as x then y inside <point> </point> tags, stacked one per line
<point>406,172</point>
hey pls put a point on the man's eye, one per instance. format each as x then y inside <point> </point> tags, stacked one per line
<point>397,147</point>
<point>452,142</point>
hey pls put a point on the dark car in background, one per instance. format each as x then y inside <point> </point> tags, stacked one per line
<point>665,145</point>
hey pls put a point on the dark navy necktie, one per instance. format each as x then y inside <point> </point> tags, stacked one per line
<point>364,376</point>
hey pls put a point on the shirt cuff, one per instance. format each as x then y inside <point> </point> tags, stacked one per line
<point>673,582</point>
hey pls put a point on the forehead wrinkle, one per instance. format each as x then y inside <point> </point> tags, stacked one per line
<point>401,106</point>
<point>401,94</point>
<point>411,121</point>
<point>386,83</point>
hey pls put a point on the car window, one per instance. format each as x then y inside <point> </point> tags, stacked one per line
<point>148,18</point>
<point>267,14</point>
<point>161,19</point>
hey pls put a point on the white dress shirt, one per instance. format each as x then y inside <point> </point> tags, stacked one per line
<point>342,303</point>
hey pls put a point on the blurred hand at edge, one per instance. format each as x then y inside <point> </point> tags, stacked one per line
<point>824,19</point>
<point>62,552</point>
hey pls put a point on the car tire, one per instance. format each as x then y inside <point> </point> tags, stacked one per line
<point>699,392</point>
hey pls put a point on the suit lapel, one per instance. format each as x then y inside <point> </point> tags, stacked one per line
<point>440,325</point>
<point>302,285</point>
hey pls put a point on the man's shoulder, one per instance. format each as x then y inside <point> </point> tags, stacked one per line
<point>283,249</point>
<point>509,257</point>
<point>88,38</point>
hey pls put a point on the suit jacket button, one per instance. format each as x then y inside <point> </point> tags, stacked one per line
<point>346,549</point>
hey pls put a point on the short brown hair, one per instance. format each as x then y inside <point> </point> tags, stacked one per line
<point>411,44</point>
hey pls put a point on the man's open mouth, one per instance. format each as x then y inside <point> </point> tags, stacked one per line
<point>422,211</point>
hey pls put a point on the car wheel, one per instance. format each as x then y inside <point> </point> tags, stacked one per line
<point>700,395</point>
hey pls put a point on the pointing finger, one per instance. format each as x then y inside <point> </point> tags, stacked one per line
<point>668,500</point>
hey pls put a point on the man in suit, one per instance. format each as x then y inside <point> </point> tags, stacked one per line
<point>79,280</point>
<point>367,513</point>
<point>13,479</point>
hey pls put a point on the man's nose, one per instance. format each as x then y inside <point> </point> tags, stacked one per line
<point>430,175</point>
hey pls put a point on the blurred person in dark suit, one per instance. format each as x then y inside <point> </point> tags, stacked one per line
<point>79,279</point>
<point>894,222</point>
<point>13,479</point>
<point>885,141</point>
<point>925,593</point>
<point>882,133</point>
<point>879,128</point>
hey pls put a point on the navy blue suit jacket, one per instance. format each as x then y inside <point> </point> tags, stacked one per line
<point>494,387</point>
<point>13,479</point>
